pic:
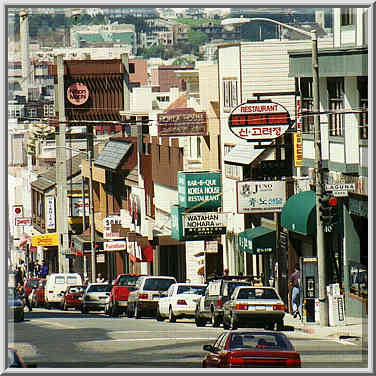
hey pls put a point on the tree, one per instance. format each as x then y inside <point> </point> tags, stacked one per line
<point>197,39</point>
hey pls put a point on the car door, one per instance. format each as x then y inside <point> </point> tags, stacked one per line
<point>164,302</point>
<point>214,358</point>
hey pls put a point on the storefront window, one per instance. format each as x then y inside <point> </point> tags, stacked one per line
<point>359,280</point>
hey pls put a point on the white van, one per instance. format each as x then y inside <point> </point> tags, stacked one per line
<point>56,284</point>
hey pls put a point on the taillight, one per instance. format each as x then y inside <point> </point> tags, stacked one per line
<point>219,303</point>
<point>293,362</point>
<point>235,362</point>
<point>181,302</point>
<point>278,307</point>
<point>241,306</point>
<point>142,296</point>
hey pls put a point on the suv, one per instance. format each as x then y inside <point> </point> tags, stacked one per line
<point>144,299</point>
<point>121,287</point>
<point>210,306</point>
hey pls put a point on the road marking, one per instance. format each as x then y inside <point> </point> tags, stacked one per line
<point>58,325</point>
<point>345,342</point>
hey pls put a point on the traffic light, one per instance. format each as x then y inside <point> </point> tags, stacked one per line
<point>328,210</point>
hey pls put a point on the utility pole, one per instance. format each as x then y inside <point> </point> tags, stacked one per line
<point>92,225</point>
<point>321,260</point>
<point>84,221</point>
<point>61,170</point>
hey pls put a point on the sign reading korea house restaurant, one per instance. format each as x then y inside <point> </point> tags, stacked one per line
<point>182,122</point>
<point>259,121</point>
<point>207,224</point>
<point>261,196</point>
<point>202,188</point>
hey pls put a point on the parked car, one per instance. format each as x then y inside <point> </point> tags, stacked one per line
<point>15,306</point>
<point>29,285</point>
<point>238,349</point>
<point>144,299</point>
<point>254,306</point>
<point>95,297</point>
<point>121,287</point>
<point>180,301</point>
<point>56,285</point>
<point>73,297</point>
<point>37,298</point>
<point>209,308</point>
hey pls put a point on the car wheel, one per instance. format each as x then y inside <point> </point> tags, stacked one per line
<point>198,320</point>
<point>137,313</point>
<point>113,310</point>
<point>129,312</point>
<point>215,320</point>
<point>233,323</point>
<point>158,315</point>
<point>171,316</point>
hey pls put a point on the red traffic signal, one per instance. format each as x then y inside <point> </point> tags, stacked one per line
<point>333,201</point>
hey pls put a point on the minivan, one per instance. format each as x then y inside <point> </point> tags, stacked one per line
<point>56,285</point>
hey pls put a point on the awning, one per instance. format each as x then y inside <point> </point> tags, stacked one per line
<point>299,213</point>
<point>242,154</point>
<point>113,154</point>
<point>257,240</point>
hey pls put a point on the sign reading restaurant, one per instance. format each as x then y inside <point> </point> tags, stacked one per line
<point>259,121</point>
<point>204,224</point>
<point>260,196</point>
<point>182,122</point>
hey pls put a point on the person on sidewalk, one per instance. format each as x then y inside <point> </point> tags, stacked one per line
<point>100,278</point>
<point>294,280</point>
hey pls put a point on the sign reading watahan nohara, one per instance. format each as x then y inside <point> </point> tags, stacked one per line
<point>259,121</point>
<point>77,93</point>
<point>182,122</point>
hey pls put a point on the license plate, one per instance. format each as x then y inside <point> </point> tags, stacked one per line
<point>260,308</point>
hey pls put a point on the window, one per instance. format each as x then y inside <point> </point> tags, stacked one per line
<point>363,104</point>
<point>230,93</point>
<point>347,16</point>
<point>335,91</point>
<point>307,104</point>
<point>198,147</point>
<point>232,171</point>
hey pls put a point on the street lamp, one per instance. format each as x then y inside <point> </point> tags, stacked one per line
<point>228,24</point>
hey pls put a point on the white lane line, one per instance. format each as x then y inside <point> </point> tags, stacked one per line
<point>58,325</point>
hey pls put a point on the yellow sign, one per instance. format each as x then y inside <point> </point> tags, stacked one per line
<point>298,149</point>
<point>45,240</point>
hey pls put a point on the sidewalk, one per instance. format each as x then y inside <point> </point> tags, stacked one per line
<point>354,328</point>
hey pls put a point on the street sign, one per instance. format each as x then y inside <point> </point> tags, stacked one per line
<point>340,190</point>
<point>23,221</point>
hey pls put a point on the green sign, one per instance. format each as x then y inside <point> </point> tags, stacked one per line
<point>258,240</point>
<point>200,189</point>
<point>176,222</point>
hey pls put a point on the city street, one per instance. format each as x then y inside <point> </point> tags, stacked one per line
<point>58,339</point>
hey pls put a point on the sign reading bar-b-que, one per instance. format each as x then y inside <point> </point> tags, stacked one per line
<point>203,224</point>
<point>259,121</point>
<point>182,122</point>
<point>261,196</point>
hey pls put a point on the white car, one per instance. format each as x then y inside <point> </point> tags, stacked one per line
<point>180,301</point>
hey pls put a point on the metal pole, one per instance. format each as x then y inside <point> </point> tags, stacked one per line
<point>92,225</point>
<point>83,221</point>
<point>324,306</point>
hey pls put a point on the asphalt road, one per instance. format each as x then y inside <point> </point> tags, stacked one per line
<point>58,339</point>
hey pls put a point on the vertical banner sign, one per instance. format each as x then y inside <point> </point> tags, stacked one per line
<point>299,114</point>
<point>298,149</point>
<point>50,212</point>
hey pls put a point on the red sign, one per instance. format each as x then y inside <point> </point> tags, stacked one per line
<point>259,121</point>
<point>23,221</point>
<point>77,94</point>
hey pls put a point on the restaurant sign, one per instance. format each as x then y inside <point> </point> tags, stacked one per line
<point>45,240</point>
<point>204,224</point>
<point>182,122</point>
<point>259,121</point>
<point>77,93</point>
<point>115,245</point>
<point>261,196</point>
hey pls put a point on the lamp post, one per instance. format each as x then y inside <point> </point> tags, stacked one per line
<point>324,306</point>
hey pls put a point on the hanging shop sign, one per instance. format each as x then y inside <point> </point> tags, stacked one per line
<point>204,224</point>
<point>115,245</point>
<point>17,211</point>
<point>260,196</point>
<point>76,207</point>
<point>45,240</point>
<point>201,189</point>
<point>50,212</point>
<point>23,221</point>
<point>299,119</point>
<point>182,122</point>
<point>77,93</point>
<point>298,149</point>
<point>259,121</point>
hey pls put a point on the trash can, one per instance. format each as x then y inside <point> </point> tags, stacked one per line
<point>310,309</point>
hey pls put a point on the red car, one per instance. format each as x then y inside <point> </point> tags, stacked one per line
<point>121,287</point>
<point>73,297</point>
<point>38,296</point>
<point>30,284</point>
<point>243,349</point>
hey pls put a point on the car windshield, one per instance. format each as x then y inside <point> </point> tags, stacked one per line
<point>32,283</point>
<point>71,280</point>
<point>260,341</point>
<point>99,288</point>
<point>232,286</point>
<point>158,284</point>
<point>199,290</point>
<point>257,293</point>
<point>127,280</point>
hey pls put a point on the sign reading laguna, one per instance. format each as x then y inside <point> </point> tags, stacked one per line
<point>182,122</point>
<point>259,121</point>
<point>204,224</point>
<point>260,196</point>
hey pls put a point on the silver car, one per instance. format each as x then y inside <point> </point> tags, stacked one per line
<point>95,297</point>
<point>252,307</point>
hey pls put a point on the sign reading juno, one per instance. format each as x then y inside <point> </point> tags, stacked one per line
<point>259,121</point>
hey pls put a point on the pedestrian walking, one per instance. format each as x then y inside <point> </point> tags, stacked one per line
<point>20,291</point>
<point>294,281</point>
<point>44,270</point>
